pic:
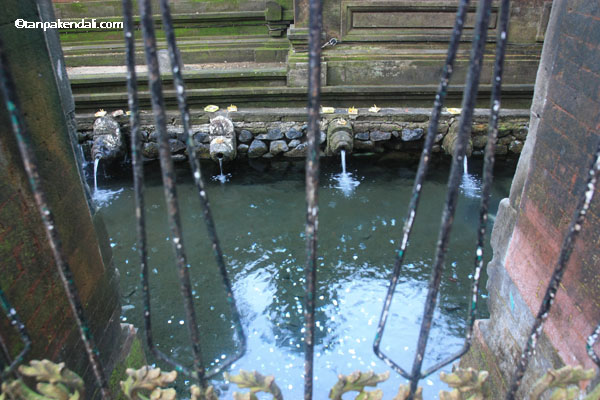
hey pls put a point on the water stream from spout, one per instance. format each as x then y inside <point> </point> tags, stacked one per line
<point>470,186</point>
<point>102,197</point>
<point>221,177</point>
<point>345,181</point>
<point>96,162</point>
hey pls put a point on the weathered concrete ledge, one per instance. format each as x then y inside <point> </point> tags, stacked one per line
<point>281,133</point>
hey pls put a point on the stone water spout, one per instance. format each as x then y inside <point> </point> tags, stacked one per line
<point>339,137</point>
<point>108,140</point>
<point>222,139</point>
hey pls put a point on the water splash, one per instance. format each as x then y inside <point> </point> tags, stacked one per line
<point>221,177</point>
<point>102,197</point>
<point>84,162</point>
<point>96,162</point>
<point>345,181</point>
<point>470,185</point>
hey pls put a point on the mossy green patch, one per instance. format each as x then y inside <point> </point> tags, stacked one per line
<point>136,359</point>
<point>77,8</point>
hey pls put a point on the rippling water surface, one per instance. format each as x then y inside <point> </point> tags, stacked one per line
<point>260,221</point>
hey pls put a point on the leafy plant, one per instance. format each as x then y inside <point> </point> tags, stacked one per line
<point>256,383</point>
<point>356,382</point>
<point>467,384</point>
<point>564,380</point>
<point>148,380</point>
<point>199,393</point>
<point>54,381</point>
<point>404,391</point>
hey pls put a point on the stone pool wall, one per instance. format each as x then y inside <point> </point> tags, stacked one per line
<point>281,133</point>
<point>533,221</point>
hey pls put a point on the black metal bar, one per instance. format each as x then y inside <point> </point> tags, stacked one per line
<point>178,83</point>
<point>138,183</point>
<point>461,15</point>
<point>591,341</point>
<point>312,187</point>
<point>488,178</point>
<point>168,177</point>
<point>583,206</point>
<point>30,163</point>
<point>16,322</point>
<point>456,171</point>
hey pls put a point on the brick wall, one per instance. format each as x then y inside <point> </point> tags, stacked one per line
<point>567,136</point>
<point>531,224</point>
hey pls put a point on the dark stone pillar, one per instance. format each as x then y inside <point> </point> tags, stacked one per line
<point>29,276</point>
<point>532,222</point>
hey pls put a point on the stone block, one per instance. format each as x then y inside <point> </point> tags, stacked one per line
<point>257,148</point>
<point>297,74</point>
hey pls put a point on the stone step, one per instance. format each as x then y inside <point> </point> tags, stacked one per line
<point>194,50</point>
<point>514,96</point>
<point>112,80</point>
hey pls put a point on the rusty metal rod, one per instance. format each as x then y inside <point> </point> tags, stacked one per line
<point>568,244</point>
<point>456,171</point>
<point>138,183</point>
<point>461,15</point>
<point>178,83</point>
<point>488,178</point>
<point>19,326</point>
<point>170,190</point>
<point>312,187</point>
<point>591,341</point>
<point>30,163</point>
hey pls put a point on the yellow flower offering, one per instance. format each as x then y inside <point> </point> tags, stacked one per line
<point>211,108</point>
<point>374,109</point>
<point>352,111</point>
<point>327,110</point>
<point>232,108</point>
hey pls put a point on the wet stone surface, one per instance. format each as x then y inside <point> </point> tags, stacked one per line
<point>257,148</point>
<point>293,134</point>
<point>278,146</point>
<point>245,136</point>
<point>412,134</point>
<point>273,134</point>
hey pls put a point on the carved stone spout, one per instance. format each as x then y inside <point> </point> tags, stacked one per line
<point>339,137</point>
<point>222,139</point>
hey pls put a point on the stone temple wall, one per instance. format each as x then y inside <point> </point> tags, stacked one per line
<point>531,224</point>
<point>281,133</point>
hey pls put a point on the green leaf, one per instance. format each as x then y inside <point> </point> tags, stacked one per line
<point>52,373</point>
<point>53,391</point>
<point>561,378</point>
<point>17,390</point>
<point>356,382</point>
<point>467,384</point>
<point>145,379</point>
<point>404,391</point>
<point>163,394</point>
<point>256,383</point>
<point>203,394</point>
<point>374,395</point>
